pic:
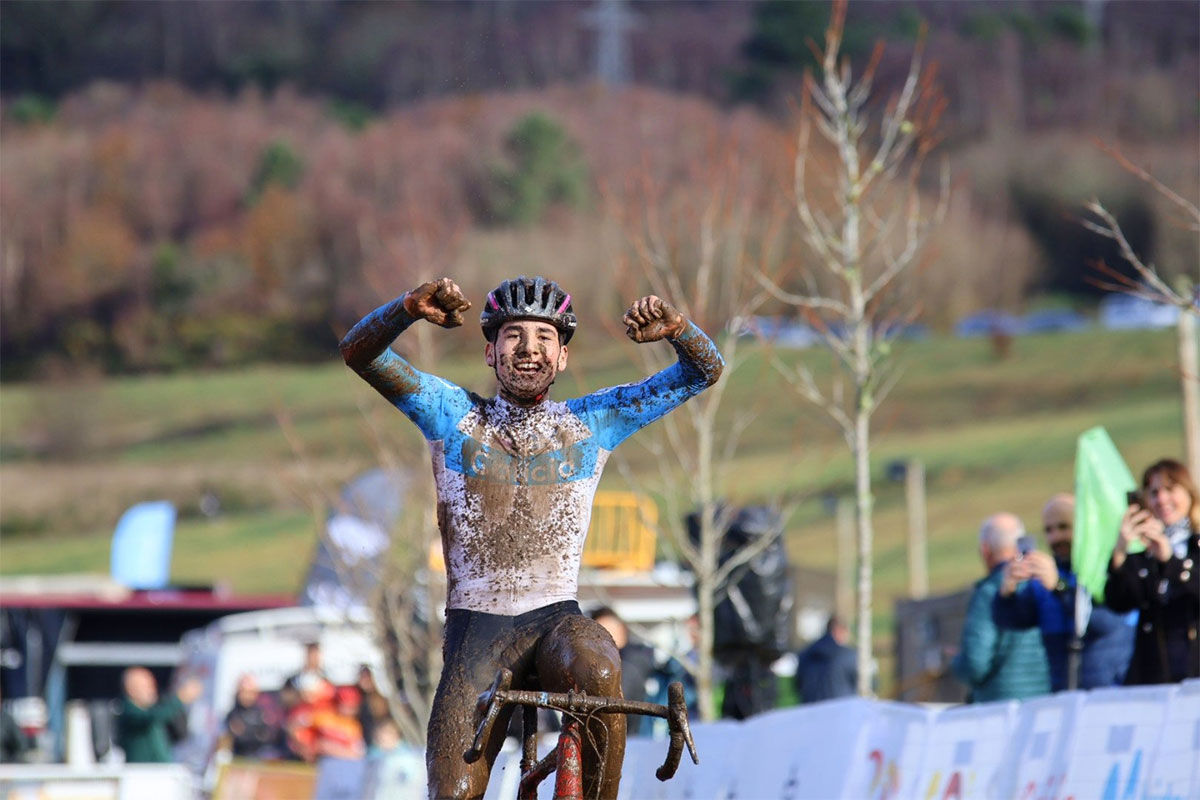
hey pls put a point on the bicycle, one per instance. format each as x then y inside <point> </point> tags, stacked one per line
<point>567,757</point>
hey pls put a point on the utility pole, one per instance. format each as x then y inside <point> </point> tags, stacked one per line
<point>914,494</point>
<point>612,21</point>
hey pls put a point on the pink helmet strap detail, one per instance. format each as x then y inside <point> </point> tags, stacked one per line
<point>566,302</point>
<point>492,301</point>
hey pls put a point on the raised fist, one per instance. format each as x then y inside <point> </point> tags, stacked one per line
<point>651,319</point>
<point>441,302</point>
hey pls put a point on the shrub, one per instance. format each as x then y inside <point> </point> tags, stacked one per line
<point>279,165</point>
<point>31,109</point>
<point>544,168</point>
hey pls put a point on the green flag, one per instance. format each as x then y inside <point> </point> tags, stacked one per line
<point>1101,481</point>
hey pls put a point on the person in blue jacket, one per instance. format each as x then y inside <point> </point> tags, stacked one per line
<point>1039,590</point>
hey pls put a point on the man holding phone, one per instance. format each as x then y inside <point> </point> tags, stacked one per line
<point>1040,590</point>
<point>998,663</point>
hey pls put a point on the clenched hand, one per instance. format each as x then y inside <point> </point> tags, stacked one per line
<point>441,302</point>
<point>651,319</point>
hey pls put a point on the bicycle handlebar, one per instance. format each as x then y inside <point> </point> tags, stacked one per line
<point>675,713</point>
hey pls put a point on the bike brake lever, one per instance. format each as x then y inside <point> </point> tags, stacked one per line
<point>681,733</point>
<point>489,704</point>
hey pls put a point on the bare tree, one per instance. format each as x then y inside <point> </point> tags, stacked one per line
<point>1185,294</point>
<point>865,223</point>
<point>403,591</point>
<point>700,250</point>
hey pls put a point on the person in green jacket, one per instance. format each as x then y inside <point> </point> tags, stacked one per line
<point>995,663</point>
<point>142,726</point>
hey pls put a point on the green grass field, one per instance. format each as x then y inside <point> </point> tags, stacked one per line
<point>275,442</point>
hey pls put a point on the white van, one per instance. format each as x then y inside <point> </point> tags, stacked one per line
<point>269,645</point>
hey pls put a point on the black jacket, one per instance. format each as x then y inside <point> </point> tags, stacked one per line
<point>1167,598</point>
<point>826,670</point>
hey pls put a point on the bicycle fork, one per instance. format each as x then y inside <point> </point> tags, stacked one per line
<point>566,759</point>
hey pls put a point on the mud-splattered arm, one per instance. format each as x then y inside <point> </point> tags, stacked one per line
<point>366,347</point>
<point>615,413</point>
<point>425,399</point>
<point>699,358</point>
<point>366,350</point>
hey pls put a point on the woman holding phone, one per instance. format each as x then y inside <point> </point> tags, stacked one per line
<point>1155,569</point>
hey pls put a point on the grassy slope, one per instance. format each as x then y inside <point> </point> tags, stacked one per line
<point>993,434</point>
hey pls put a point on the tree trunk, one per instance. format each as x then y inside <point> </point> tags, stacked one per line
<point>844,604</point>
<point>704,673</point>
<point>709,539</point>
<point>864,501</point>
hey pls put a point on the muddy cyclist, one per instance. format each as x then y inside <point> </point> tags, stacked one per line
<point>516,474</point>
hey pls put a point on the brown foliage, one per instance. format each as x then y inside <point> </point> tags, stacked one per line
<point>90,198</point>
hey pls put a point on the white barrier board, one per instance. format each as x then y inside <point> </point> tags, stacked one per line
<point>1116,732</point>
<point>963,750</point>
<point>720,747</point>
<point>1174,769</point>
<point>1140,743</point>
<point>888,760</point>
<point>1035,760</point>
<point>804,752</point>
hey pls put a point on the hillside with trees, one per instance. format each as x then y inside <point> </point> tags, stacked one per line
<point>198,184</point>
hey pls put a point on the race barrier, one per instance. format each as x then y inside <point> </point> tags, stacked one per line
<point>96,782</point>
<point>1138,743</point>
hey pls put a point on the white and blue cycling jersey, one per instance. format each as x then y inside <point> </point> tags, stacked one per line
<point>515,484</point>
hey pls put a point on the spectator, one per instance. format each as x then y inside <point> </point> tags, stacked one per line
<point>253,729</point>
<point>336,729</point>
<point>827,668</point>
<point>142,726</point>
<point>312,666</point>
<point>1048,600</point>
<point>1162,582</point>
<point>397,769</point>
<point>998,664</point>
<point>373,710</point>
<point>637,663</point>
<point>314,695</point>
<point>645,671</point>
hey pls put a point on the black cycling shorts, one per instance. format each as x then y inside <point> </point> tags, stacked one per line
<point>476,646</point>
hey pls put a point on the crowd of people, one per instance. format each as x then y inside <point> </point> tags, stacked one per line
<point>1031,628</point>
<point>311,717</point>
<point>308,718</point>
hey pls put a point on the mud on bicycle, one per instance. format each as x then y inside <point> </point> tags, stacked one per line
<point>578,709</point>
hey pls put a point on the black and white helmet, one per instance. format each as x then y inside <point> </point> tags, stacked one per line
<point>528,298</point>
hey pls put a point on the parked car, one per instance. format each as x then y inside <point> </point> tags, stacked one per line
<point>989,322</point>
<point>1051,320</point>
<point>780,331</point>
<point>1128,312</point>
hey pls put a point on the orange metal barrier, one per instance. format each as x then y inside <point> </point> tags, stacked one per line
<point>622,533</point>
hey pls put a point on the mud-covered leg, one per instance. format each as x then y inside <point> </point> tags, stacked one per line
<point>451,732</point>
<point>579,655</point>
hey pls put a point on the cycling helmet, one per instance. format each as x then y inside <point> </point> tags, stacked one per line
<point>528,298</point>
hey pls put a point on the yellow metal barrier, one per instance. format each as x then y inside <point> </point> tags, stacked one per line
<point>622,533</point>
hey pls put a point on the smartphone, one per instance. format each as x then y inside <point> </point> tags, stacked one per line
<point>1133,497</point>
<point>1024,545</point>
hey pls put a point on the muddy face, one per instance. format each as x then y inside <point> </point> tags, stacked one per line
<point>527,357</point>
